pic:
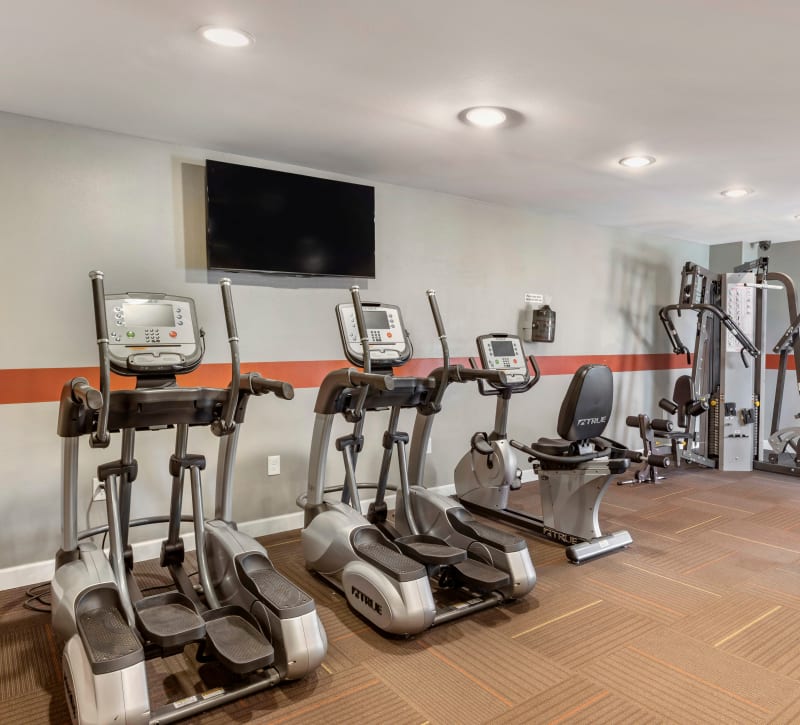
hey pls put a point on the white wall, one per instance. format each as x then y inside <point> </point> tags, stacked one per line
<point>73,200</point>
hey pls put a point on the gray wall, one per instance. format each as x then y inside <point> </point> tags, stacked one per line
<point>73,199</point>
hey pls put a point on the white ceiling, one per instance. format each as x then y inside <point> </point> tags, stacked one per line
<point>371,88</point>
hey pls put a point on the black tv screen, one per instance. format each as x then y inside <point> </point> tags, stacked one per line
<point>271,221</point>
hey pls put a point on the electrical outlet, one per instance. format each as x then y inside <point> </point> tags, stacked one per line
<point>99,490</point>
<point>273,465</point>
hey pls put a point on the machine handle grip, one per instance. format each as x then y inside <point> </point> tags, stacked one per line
<point>634,421</point>
<point>227,306</point>
<point>226,424</point>
<point>659,461</point>
<point>668,406</point>
<point>537,374</point>
<point>482,389</point>
<point>261,386</point>
<point>462,375</point>
<point>672,333</point>
<point>437,316</point>
<point>100,437</point>
<point>569,460</point>
<point>697,407</point>
<point>86,395</point>
<point>99,300</point>
<point>436,404</point>
<point>653,459</point>
<point>374,380</point>
<point>361,324</point>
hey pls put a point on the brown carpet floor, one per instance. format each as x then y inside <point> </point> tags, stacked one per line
<point>697,622</point>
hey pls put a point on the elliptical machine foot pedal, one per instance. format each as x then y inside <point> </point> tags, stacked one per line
<point>109,641</point>
<point>233,638</point>
<point>169,620</point>
<point>262,580</point>
<point>430,550</point>
<point>372,546</point>
<point>465,523</point>
<point>478,577</point>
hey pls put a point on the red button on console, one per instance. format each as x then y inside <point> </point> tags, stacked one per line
<point>172,333</point>
<point>388,334</point>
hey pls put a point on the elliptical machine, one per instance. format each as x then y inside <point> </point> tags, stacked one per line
<point>574,470</point>
<point>243,614</point>
<point>436,563</point>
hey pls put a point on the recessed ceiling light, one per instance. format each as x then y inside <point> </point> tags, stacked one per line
<point>486,116</point>
<point>229,37</point>
<point>636,162</point>
<point>736,192</point>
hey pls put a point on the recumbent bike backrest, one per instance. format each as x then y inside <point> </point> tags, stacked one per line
<point>587,405</point>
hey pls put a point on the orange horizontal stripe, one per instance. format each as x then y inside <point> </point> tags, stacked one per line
<point>773,360</point>
<point>43,385</point>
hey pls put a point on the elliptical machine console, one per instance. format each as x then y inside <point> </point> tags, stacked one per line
<point>386,337</point>
<point>151,333</point>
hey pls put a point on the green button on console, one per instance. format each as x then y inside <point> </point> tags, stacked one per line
<point>130,333</point>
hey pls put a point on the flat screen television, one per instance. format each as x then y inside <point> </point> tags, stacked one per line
<point>275,222</point>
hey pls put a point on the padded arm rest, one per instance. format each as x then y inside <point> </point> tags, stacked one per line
<point>566,460</point>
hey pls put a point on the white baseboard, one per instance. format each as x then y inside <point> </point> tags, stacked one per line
<point>41,571</point>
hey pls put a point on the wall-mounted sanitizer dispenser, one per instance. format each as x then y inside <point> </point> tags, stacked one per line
<point>539,324</point>
<point>543,324</point>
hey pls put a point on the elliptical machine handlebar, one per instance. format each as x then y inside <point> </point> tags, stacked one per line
<point>100,438</point>
<point>226,424</point>
<point>436,404</point>
<point>256,385</point>
<point>461,374</point>
<point>84,394</point>
<point>372,380</point>
<point>362,326</point>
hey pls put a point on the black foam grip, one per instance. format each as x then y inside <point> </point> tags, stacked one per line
<point>661,424</point>
<point>632,421</point>
<point>99,300</point>
<point>379,382</point>
<point>659,461</point>
<point>668,406</point>
<point>697,407</point>
<point>437,317</point>
<point>227,305</point>
<point>490,376</point>
<point>84,393</point>
<point>261,386</point>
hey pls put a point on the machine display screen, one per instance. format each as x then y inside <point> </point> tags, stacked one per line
<point>149,315</point>
<point>502,348</point>
<point>376,320</point>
